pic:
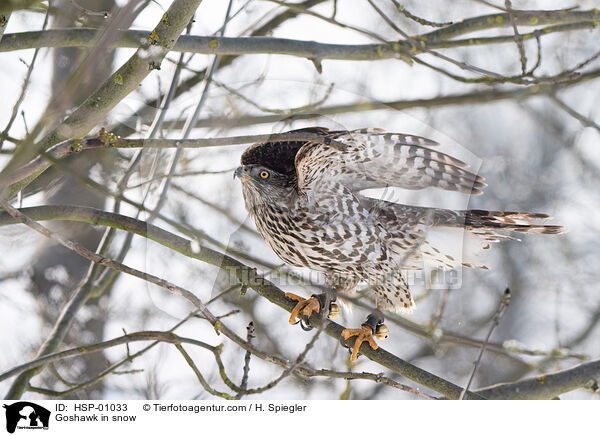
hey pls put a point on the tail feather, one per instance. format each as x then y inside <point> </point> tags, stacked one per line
<point>475,220</point>
<point>446,246</point>
<point>519,222</point>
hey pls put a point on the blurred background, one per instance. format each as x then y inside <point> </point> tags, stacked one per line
<point>518,103</point>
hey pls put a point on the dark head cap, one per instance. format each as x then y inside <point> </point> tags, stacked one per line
<point>278,155</point>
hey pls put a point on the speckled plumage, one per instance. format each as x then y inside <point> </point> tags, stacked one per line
<point>309,211</point>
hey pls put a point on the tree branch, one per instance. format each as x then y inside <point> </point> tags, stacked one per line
<point>521,18</point>
<point>94,348</point>
<point>546,386</point>
<point>236,46</point>
<point>105,140</point>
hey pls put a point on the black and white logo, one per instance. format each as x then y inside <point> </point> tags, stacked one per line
<point>26,415</point>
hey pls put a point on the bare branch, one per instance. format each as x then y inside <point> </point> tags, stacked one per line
<point>244,382</point>
<point>419,20</point>
<point>518,37</point>
<point>521,18</point>
<point>585,121</point>
<point>546,386</point>
<point>24,87</point>
<point>503,305</point>
<point>199,376</point>
<point>572,20</point>
<point>94,348</point>
<point>24,175</point>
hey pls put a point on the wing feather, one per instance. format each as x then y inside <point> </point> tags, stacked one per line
<point>373,158</point>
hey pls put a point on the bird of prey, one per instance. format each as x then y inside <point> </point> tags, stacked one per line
<point>304,197</point>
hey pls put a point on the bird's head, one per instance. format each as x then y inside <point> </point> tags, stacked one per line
<point>268,174</point>
<point>261,184</point>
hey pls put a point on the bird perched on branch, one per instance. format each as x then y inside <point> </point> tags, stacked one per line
<point>304,198</point>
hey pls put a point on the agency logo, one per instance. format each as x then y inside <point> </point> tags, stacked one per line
<point>26,415</point>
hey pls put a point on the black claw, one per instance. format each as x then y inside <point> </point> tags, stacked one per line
<point>347,347</point>
<point>305,324</point>
<point>350,351</point>
<point>343,342</point>
<point>303,321</point>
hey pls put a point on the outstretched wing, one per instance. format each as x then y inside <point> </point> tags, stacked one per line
<point>373,158</point>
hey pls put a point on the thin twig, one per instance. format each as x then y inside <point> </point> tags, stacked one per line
<point>585,121</point>
<point>17,105</point>
<point>419,20</point>
<point>181,174</point>
<point>378,378</point>
<point>291,368</point>
<point>246,371</point>
<point>518,37</point>
<point>420,46</point>
<point>331,20</point>
<point>288,111</point>
<point>503,305</point>
<point>199,376</point>
<point>222,210</point>
<point>142,336</point>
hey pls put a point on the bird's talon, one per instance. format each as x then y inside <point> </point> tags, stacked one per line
<point>305,324</point>
<point>303,309</point>
<point>363,334</point>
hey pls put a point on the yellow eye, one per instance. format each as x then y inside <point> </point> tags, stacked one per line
<point>264,174</point>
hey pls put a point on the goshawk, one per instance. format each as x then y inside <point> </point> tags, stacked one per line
<point>305,201</point>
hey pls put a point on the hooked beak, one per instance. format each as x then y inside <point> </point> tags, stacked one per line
<point>241,173</point>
